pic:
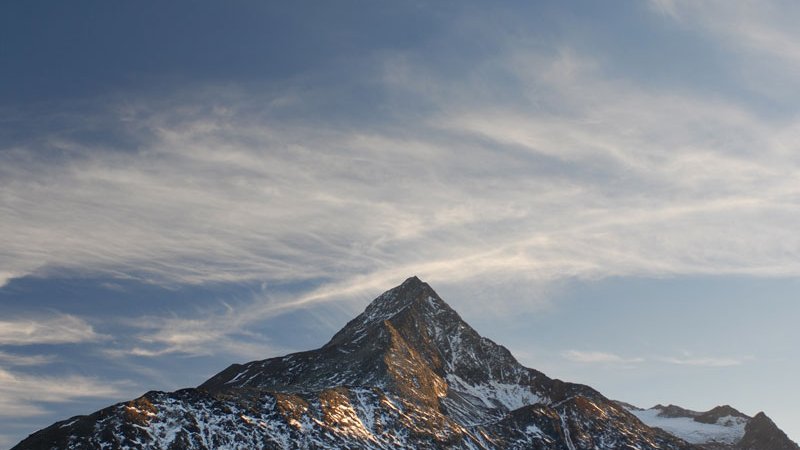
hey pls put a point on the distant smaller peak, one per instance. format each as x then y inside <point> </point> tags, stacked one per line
<point>727,410</point>
<point>628,406</point>
<point>761,417</point>
<point>761,430</point>
<point>674,411</point>
<point>718,412</point>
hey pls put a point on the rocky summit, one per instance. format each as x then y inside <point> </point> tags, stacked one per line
<point>406,373</point>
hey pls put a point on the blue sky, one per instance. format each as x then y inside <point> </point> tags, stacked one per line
<point>609,189</point>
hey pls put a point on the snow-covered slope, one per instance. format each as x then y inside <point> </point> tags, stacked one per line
<point>722,427</point>
<point>727,429</point>
<point>406,373</point>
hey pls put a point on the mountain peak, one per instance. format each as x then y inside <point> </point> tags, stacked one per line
<point>719,412</point>
<point>672,411</point>
<point>406,326</point>
<point>413,279</point>
<point>407,372</point>
<point>761,433</point>
<point>413,299</point>
<point>397,299</point>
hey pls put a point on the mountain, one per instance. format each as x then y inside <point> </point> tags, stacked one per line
<point>406,373</point>
<point>721,427</point>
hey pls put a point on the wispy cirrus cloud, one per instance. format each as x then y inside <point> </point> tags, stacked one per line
<point>561,171</point>
<point>12,359</point>
<point>23,394</point>
<point>619,181</point>
<point>599,357</point>
<point>202,336</point>
<point>593,357</point>
<point>703,361</point>
<point>48,329</point>
<point>760,37</point>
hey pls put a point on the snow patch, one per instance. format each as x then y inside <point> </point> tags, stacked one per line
<point>727,430</point>
<point>495,394</point>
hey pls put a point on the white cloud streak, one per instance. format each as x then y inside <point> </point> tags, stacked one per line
<point>592,357</point>
<point>213,334</point>
<point>598,357</point>
<point>23,395</point>
<point>11,359</point>
<point>60,329</point>
<point>703,361</point>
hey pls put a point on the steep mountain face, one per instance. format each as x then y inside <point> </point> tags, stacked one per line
<point>406,373</point>
<point>720,428</point>
<point>761,433</point>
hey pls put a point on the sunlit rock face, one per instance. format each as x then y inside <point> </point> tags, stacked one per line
<point>406,373</point>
